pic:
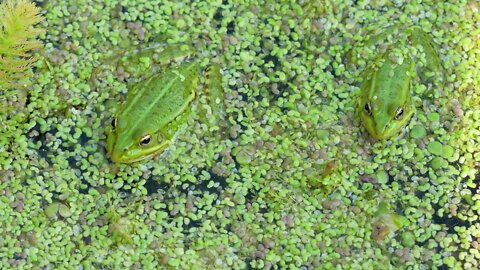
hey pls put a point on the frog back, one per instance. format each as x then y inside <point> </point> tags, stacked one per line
<point>153,105</point>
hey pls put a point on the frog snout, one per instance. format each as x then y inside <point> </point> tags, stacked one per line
<point>380,127</point>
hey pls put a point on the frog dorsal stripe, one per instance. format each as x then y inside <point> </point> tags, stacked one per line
<point>164,104</point>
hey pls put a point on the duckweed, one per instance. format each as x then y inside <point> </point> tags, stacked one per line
<point>433,117</point>
<point>418,132</point>
<point>438,162</point>
<point>435,148</point>
<point>382,177</point>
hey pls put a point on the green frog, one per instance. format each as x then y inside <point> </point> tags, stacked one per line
<point>385,104</point>
<point>160,103</point>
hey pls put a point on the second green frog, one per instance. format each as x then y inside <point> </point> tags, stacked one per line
<point>385,104</point>
<point>160,102</point>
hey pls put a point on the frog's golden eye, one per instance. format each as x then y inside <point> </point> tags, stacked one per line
<point>399,113</point>
<point>368,109</point>
<point>114,123</point>
<point>145,140</point>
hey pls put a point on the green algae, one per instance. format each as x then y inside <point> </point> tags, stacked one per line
<point>293,183</point>
<point>418,132</point>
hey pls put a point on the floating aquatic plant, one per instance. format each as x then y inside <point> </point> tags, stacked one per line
<point>17,40</point>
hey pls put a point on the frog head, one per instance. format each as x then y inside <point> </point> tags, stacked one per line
<point>385,105</point>
<point>126,145</point>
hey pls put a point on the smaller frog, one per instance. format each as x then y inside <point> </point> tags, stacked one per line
<point>160,103</point>
<point>385,104</point>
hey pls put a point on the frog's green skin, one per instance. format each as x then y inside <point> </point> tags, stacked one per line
<point>385,104</point>
<point>157,106</point>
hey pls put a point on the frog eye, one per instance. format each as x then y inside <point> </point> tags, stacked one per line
<point>399,113</point>
<point>145,140</point>
<point>368,109</point>
<point>114,123</point>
